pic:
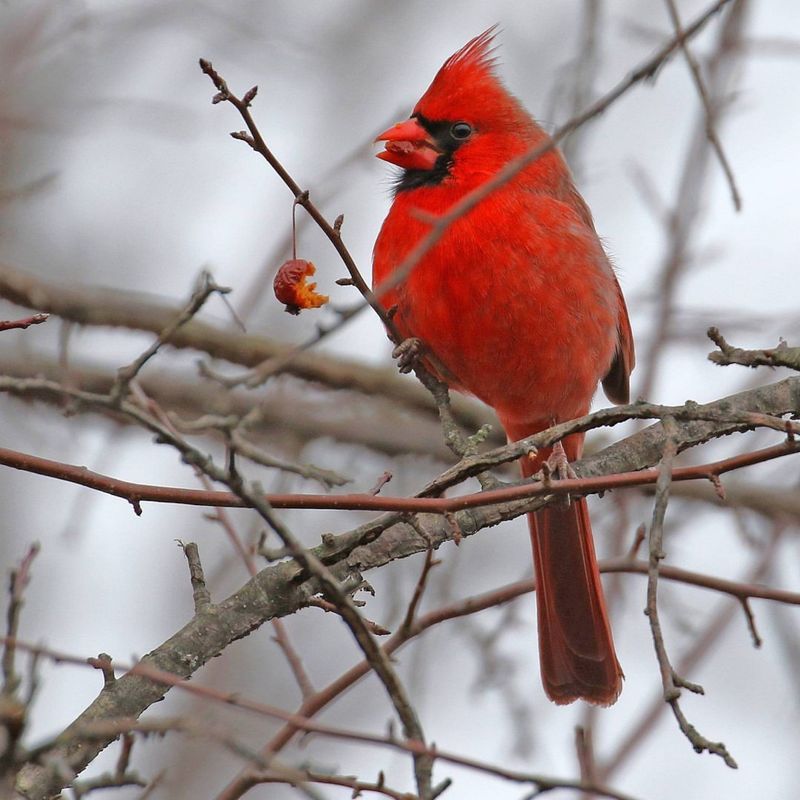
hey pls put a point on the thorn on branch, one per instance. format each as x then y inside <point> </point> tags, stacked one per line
<point>209,70</point>
<point>455,528</point>
<point>376,629</point>
<point>380,483</point>
<point>103,663</point>
<point>330,608</point>
<point>244,136</point>
<point>25,322</point>
<point>271,553</point>
<point>638,538</point>
<point>250,95</point>
<point>359,585</point>
<point>718,487</point>
<point>751,621</point>
<point>682,683</point>
<point>200,593</point>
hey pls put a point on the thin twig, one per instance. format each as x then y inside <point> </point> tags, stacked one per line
<point>18,582</point>
<point>705,99</point>
<point>282,638</point>
<point>680,225</point>
<point>701,647</point>
<point>203,290</point>
<point>100,306</point>
<point>419,589</point>
<point>25,322</point>
<point>138,493</point>
<point>672,683</point>
<point>780,356</point>
<point>111,728</point>
<point>358,787</point>
<point>459,444</point>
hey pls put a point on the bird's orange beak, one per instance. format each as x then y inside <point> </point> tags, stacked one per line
<point>409,145</point>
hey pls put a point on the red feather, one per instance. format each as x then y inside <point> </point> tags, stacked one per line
<point>520,305</point>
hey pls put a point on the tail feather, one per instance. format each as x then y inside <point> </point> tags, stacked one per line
<point>576,649</point>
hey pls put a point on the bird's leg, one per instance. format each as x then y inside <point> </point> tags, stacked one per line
<point>557,464</point>
<point>408,353</point>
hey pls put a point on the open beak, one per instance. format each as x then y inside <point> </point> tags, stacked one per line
<point>409,145</point>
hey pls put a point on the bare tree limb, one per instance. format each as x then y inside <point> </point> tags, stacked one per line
<point>137,493</point>
<point>284,412</point>
<point>89,305</point>
<point>672,682</point>
<point>780,356</point>
<point>281,589</point>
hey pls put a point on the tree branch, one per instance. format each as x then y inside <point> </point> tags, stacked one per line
<point>780,356</point>
<point>92,305</point>
<point>138,493</point>
<point>25,322</point>
<point>280,589</point>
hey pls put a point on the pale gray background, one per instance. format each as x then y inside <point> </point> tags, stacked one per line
<point>144,188</point>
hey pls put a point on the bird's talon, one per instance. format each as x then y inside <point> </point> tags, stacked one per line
<point>408,353</point>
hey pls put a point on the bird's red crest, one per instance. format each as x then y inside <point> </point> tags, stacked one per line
<point>466,85</point>
<point>475,55</point>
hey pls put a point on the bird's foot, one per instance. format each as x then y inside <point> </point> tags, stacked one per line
<point>408,354</point>
<point>558,465</point>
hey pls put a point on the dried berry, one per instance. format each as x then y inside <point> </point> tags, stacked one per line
<point>292,289</point>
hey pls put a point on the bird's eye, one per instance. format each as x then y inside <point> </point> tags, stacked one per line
<point>461,130</point>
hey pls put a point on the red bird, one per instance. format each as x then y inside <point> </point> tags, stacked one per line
<point>520,307</point>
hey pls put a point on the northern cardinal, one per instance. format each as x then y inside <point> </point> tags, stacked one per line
<point>519,306</point>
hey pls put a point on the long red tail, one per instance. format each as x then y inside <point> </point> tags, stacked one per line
<point>576,648</point>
